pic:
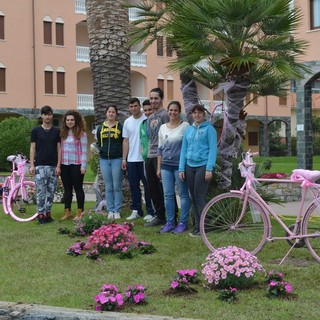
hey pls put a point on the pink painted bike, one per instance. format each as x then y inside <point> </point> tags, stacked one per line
<point>242,218</point>
<point>18,194</point>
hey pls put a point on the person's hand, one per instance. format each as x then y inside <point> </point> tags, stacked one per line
<point>159,173</point>
<point>182,175</point>
<point>32,170</point>
<point>83,171</point>
<point>124,164</point>
<point>208,176</point>
<point>58,171</point>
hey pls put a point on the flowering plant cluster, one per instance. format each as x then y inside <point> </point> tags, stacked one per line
<point>111,238</point>
<point>109,298</point>
<point>228,294</point>
<point>273,275</point>
<point>277,288</point>
<point>146,247</point>
<point>90,221</point>
<point>273,175</point>
<point>184,278</point>
<point>230,267</point>
<point>135,294</point>
<point>93,254</point>
<point>76,249</point>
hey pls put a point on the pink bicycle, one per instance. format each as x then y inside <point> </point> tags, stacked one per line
<point>242,218</point>
<point>18,194</point>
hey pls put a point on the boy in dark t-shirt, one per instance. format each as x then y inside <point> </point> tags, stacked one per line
<point>45,159</point>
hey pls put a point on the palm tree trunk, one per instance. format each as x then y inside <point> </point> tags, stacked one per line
<point>234,129</point>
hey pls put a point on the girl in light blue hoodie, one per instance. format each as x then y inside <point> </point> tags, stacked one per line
<point>197,161</point>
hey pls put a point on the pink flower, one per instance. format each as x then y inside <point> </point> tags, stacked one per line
<point>288,287</point>
<point>138,297</point>
<point>174,284</point>
<point>273,283</point>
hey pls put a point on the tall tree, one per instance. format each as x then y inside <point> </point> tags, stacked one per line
<point>108,28</point>
<point>248,44</point>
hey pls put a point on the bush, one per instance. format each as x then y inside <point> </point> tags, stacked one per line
<point>14,137</point>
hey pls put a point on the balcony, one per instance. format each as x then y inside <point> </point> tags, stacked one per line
<point>80,6</point>
<point>85,101</point>
<point>138,59</point>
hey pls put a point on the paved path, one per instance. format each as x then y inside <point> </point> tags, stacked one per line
<point>11,310</point>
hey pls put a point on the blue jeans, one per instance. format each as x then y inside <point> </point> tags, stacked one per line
<point>135,175</point>
<point>170,178</point>
<point>112,176</point>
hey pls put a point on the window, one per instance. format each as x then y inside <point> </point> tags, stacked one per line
<point>2,78</point>
<point>169,47</point>
<point>161,84</point>
<point>47,30</point>
<point>315,14</point>
<point>160,46</point>
<point>283,101</point>
<point>170,89</point>
<point>60,81</point>
<point>253,139</point>
<point>59,32</point>
<point>48,80</point>
<point>1,26</point>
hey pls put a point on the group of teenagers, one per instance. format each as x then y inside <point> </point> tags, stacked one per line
<point>154,145</point>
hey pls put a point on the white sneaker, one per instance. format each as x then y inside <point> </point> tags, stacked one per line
<point>116,215</point>
<point>110,215</point>
<point>134,215</point>
<point>148,217</point>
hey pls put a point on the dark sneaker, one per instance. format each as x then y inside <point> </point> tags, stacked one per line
<point>155,222</point>
<point>41,219</point>
<point>167,228</point>
<point>195,234</point>
<point>180,228</point>
<point>48,217</point>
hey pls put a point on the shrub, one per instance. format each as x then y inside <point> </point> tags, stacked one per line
<point>184,278</point>
<point>109,298</point>
<point>14,137</point>
<point>230,267</point>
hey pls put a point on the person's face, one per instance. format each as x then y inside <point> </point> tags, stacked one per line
<point>111,113</point>
<point>70,121</point>
<point>47,118</point>
<point>173,112</point>
<point>198,116</point>
<point>148,110</point>
<point>155,100</point>
<point>134,109</point>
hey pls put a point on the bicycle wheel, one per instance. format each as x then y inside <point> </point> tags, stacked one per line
<point>311,225</point>
<point>223,225</point>
<point>5,193</point>
<point>21,202</point>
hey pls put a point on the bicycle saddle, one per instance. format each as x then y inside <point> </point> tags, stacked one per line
<point>310,175</point>
<point>11,158</point>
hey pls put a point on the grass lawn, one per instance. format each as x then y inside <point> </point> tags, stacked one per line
<point>34,268</point>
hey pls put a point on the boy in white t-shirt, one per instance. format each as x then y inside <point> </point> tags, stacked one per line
<point>133,161</point>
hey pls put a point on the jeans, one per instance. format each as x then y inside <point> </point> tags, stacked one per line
<point>46,182</point>
<point>170,178</point>
<point>198,188</point>
<point>112,176</point>
<point>135,175</point>
<point>72,177</point>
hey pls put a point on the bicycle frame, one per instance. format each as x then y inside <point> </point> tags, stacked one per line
<point>247,189</point>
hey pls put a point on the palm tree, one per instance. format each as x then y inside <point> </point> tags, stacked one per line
<point>108,28</point>
<point>109,55</point>
<point>248,44</point>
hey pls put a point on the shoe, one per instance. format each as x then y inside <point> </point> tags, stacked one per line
<point>48,217</point>
<point>148,217</point>
<point>41,218</point>
<point>110,215</point>
<point>180,228</point>
<point>195,234</point>
<point>116,215</point>
<point>155,222</point>
<point>167,228</point>
<point>134,215</point>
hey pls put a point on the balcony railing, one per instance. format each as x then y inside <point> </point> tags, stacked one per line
<point>138,59</point>
<point>80,6</point>
<point>134,14</point>
<point>85,101</point>
<point>82,54</point>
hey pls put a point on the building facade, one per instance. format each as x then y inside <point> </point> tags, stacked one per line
<point>44,59</point>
